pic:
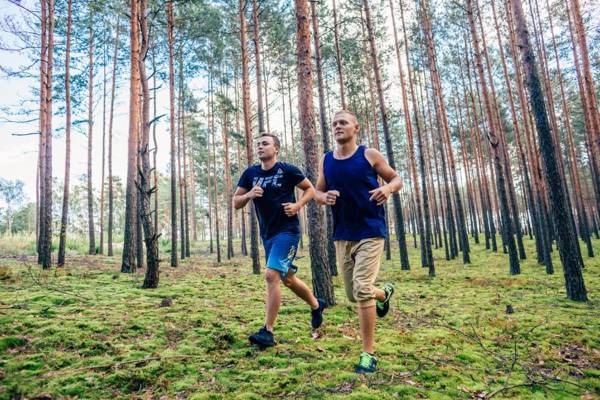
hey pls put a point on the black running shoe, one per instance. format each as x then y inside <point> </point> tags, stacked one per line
<point>262,338</point>
<point>316,318</point>
<point>384,306</point>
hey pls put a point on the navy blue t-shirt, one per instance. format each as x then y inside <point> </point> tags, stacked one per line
<point>278,184</point>
<point>355,217</point>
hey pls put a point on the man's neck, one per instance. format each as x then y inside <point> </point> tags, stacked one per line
<point>268,164</point>
<point>346,149</point>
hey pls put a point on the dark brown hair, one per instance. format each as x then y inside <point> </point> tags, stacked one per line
<point>275,139</point>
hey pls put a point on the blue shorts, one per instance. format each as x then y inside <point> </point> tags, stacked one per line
<point>280,251</point>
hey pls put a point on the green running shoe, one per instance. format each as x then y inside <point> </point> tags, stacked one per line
<point>367,364</point>
<point>383,307</point>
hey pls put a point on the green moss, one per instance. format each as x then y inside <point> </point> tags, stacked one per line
<point>11,342</point>
<point>445,338</point>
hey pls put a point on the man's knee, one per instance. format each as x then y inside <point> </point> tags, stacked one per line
<point>362,291</point>
<point>289,279</point>
<point>272,276</point>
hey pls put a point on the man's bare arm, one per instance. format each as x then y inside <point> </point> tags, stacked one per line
<point>242,196</point>
<point>383,169</point>
<point>324,196</point>
<point>308,193</point>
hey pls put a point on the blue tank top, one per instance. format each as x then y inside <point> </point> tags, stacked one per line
<point>355,217</point>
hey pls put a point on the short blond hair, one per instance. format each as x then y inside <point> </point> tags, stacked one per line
<point>344,111</point>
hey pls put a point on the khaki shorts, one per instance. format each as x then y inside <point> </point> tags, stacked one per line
<point>359,261</point>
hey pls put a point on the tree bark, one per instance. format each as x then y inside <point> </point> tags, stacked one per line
<point>47,176</point>
<point>496,145</point>
<point>170,28</point>
<point>248,131</point>
<point>184,150</point>
<point>258,68</point>
<point>425,230</point>
<point>322,284</point>
<point>129,239</point>
<point>102,180</point>
<point>214,168</point>
<point>41,172</point>
<point>65,203</point>
<point>110,130</point>
<point>439,102</point>
<point>145,188</point>
<point>566,238</point>
<point>228,183</point>
<point>338,55</point>
<point>324,133</point>
<point>400,235</point>
<point>90,193</point>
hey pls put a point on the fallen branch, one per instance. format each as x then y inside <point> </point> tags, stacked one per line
<point>52,289</point>
<point>505,388</point>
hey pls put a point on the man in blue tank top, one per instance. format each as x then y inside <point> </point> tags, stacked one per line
<point>348,183</point>
<point>270,185</point>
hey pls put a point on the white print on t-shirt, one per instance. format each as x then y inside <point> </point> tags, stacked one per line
<point>265,181</point>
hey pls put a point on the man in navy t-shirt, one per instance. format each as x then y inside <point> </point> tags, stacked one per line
<point>270,185</point>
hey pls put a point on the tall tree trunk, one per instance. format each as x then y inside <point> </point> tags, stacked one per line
<point>228,184</point>
<point>496,145</point>
<point>184,151</point>
<point>145,174</point>
<point>46,248</point>
<point>405,265</point>
<point>324,134</point>
<point>266,88</point>
<point>90,193</point>
<point>581,209</point>
<point>258,68</point>
<point>110,130</point>
<point>41,170</point>
<point>566,238</point>
<point>170,28</point>
<point>517,132</point>
<point>209,189</point>
<point>139,234</point>
<point>214,168</point>
<point>192,195</point>
<point>544,244</point>
<point>155,143</point>
<point>322,284</point>
<point>592,129</point>
<point>101,222</point>
<point>435,80</point>
<point>248,131</point>
<point>543,60</point>
<point>65,203</point>
<point>510,187</point>
<point>179,156</point>
<point>424,231</point>
<point>243,243</point>
<point>338,55</point>
<point>129,239</point>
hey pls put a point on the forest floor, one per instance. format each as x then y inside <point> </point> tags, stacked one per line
<point>89,331</point>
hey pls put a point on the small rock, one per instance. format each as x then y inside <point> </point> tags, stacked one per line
<point>166,302</point>
<point>509,309</point>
